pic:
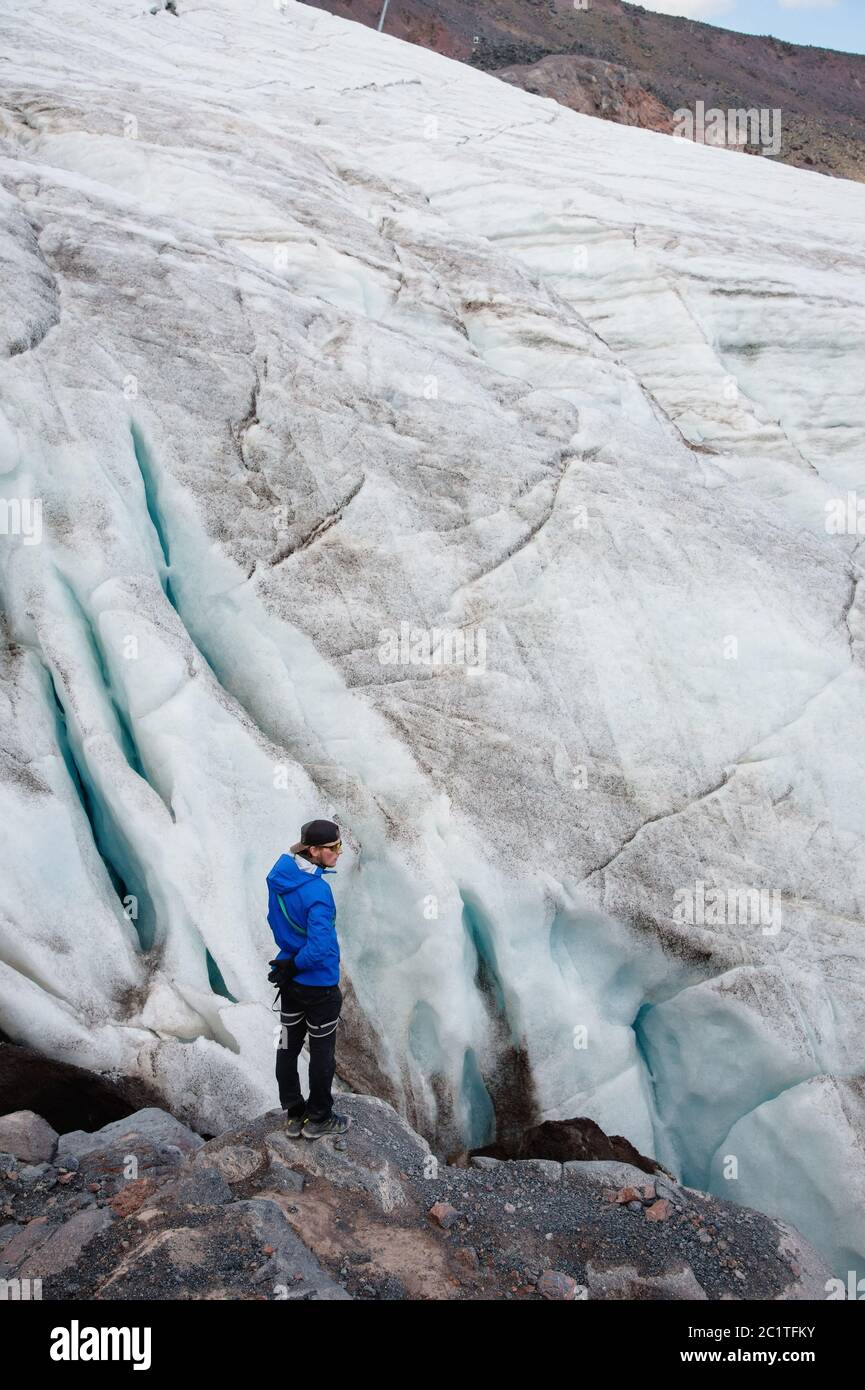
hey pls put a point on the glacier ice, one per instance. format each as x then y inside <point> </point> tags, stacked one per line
<point>308,334</point>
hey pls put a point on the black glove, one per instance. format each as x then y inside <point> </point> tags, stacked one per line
<point>282,972</point>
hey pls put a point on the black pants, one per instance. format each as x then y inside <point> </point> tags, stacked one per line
<point>312,1008</point>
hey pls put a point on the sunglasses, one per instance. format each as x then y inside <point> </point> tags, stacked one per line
<point>336,846</point>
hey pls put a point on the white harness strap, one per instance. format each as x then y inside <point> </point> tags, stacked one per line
<point>321,1030</point>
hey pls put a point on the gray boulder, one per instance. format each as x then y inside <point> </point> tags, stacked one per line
<point>66,1243</point>
<point>236,1162</point>
<point>292,1270</point>
<point>27,1136</point>
<point>37,1172</point>
<point>201,1187</point>
<point>157,1127</point>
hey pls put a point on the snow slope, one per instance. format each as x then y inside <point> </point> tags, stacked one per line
<point>308,334</point>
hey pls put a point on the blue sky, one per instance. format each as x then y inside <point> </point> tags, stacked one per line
<point>823,23</point>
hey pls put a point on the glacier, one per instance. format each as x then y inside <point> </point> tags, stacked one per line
<point>308,336</point>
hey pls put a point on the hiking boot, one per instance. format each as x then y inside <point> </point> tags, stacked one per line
<point>317,1129</point>
<point>294,1125</point>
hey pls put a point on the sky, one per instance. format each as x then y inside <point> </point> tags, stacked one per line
<point>822,23</point>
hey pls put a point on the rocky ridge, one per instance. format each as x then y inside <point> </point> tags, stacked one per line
<point>145,1208</point>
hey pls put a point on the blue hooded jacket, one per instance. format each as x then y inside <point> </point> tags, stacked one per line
<point>302,916</point>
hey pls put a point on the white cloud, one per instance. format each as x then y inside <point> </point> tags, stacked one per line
<point>690,9</point>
